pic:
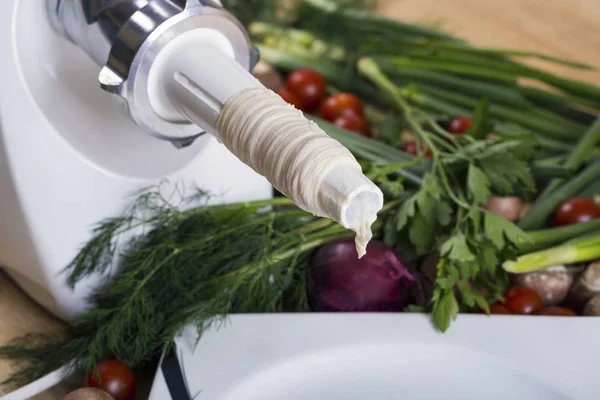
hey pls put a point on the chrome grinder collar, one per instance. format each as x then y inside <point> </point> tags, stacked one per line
<point>124,37</point>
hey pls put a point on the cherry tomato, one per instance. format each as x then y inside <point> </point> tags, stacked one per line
<point>309,86</point>
<point>499,309</point>
<point>290,98</point>
<point>555,311</point>
<point>338,104</point>
<point>411,148</point>
<point>115,378</point>
<point>353,122</point>
<point>460,125</point>
<point>574,211</point>
<point>522,300</point>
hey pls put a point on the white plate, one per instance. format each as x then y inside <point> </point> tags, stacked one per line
<point>391,356</point>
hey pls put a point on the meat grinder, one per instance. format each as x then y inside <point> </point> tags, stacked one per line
<point>79,133</point>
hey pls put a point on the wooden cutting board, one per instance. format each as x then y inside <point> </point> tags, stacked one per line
<point>566,28</point>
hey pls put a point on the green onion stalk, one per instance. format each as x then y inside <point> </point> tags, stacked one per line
<point>559,190</point>
<point>545,206</point>
<point>577,251</point>
<point>439,50</point>
<point>423,93</point>
<point>543,238</point>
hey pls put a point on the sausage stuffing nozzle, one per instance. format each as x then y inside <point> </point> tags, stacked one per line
<point>180,66</point>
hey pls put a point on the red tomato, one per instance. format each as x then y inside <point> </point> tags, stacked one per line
<point>353,122</point>
<point>411,148</point>
<point>115,378</point>
<point>460,125</point>
<point>522,300</point>
<point>555,311</point>
<point>499,309</point>
<point>574,211</point>
<point>338,104</point>
<point>290,98</point>
<point>309,86</point>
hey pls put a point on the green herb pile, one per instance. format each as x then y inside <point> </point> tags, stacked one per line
<point>195,264</point>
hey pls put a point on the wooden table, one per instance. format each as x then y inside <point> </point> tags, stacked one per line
<point>562,28</point>
<point>567,28</point>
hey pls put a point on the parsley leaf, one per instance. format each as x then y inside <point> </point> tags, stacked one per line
<point>487,256</point>
<point>505,170</point>
<point>420,232</point>
<point>479,185</point>
<point>480,126</point>
<point>482,303</point>
<point>457,249</point>
<point>423,214</point>
<point>446,309</point>
<point>444,213</point>
<point>498,231</point>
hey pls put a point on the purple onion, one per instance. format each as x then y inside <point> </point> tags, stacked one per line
<point>340,281</point>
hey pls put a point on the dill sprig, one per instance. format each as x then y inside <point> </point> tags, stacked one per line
<point>177,268</point>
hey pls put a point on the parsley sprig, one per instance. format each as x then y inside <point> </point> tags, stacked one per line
<point>446,213</point>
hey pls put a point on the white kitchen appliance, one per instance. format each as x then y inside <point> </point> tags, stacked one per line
<point>70,157</point>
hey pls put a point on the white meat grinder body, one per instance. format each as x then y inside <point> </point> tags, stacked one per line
<point>69,158</point>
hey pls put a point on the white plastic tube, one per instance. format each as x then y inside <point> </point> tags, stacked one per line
<point>195,78</point>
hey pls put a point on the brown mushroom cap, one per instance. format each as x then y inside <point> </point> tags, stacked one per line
<point>591,276</point>
<point>552,284</point>
<point>268,75</point>
<point>586,286</point>
<point>88,394</point>
<point>508,208</point>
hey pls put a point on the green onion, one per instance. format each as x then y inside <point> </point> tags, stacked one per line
<point>554,127</point>
<point>547,172</point>
<point>325,14</point>
<point>552,236</point>
<point>507,52</point>
<point>460,69</point>
<point>583,250</point>
<point>474,88</point>
<point>579,155</point>
<point>592,191</point>
<point>553,160</point>
<point>561,104</point>
<point>545,206</point>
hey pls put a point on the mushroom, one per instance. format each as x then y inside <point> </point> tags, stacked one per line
<point>268,75</point>
<point>88,394</point>
<point>508,208</point>
<point>552,284</point>
<point>592,308</point>
<point>587,286</point>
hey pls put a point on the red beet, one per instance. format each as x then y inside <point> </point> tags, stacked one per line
<point>340,281</point>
